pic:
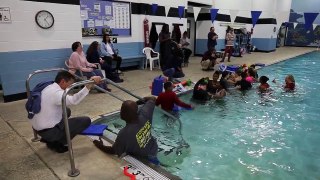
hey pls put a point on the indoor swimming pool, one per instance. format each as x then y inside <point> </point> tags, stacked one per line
<point>246,135</point>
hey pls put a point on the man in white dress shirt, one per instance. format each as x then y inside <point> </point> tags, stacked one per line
<point>49,123</point>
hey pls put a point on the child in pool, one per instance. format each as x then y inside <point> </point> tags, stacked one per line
<point>264,86</point>
<point>290,83</point>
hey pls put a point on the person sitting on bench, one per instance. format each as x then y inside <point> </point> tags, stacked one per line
<point>109,54</point>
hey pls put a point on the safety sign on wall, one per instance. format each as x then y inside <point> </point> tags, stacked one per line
<point>5,16</point>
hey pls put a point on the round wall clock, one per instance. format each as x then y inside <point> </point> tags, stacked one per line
<point>44,19</point>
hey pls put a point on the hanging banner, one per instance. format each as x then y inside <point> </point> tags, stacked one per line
<point>309,19</point>
<point>146,33</point>
<point>154,9</point>
<point>255,17</point>
<point>196,11</point>
<point>181,11</point>
<point>295,25</point>
<point>315,26</point>
<point>213,13</point>
<point>233,15</point>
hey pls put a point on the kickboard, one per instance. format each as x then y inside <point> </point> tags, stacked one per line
<point>95,130</point>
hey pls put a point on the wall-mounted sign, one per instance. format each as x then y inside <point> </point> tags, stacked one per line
<point>5,16</point>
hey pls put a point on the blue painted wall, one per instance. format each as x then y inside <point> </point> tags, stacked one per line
<point>16,66</point>
<point>201,45</point>
<point>265,44</point>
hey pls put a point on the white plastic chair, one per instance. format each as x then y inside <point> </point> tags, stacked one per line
<point>147,51</point>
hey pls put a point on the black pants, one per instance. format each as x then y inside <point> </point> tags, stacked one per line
<point>187,53</point>
<point>116,58</point>
<point>58,134</point>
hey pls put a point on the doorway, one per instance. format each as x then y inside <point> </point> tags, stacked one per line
<point>191,34</point>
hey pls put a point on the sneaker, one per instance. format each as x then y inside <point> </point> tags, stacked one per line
<point>62,149</point>
<point>57,147</point>
<point>108,89</point>
<point>118,81</point>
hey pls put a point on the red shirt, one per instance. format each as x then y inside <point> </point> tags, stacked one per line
<point>264,86</point>
<point>168,99</point>
<point>290,86</point>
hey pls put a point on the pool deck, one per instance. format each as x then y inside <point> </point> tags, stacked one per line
<point>22,159</point>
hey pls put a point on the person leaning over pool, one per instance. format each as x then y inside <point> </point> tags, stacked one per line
<point>135,138</point>
<point>168,99</point>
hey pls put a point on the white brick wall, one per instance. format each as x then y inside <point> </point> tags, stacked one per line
<point>24,34</point>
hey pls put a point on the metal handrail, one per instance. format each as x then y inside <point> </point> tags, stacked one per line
<point>73,172</point>
<point>35,135</point>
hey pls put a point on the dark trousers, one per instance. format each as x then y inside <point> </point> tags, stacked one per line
<point>187,53</point>
<point>96,72</point>
<point>116,58</point>
<point>58,134</point>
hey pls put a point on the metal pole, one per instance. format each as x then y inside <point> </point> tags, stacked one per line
<point>73,172</point>
<point>35,135</point>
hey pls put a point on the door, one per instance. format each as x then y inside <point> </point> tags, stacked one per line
<point>191,33</point>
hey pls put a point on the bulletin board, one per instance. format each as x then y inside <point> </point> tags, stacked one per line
<point>97,16</point>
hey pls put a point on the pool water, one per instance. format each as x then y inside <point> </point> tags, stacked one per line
<point>246,135</point>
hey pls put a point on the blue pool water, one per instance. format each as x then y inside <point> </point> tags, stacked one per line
<point>246,136</point>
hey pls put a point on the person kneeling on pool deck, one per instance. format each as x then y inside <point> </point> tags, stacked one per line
<point>135,138</point>
<point>48,123</point>
<point>200,91</point>
<point>168,98</point>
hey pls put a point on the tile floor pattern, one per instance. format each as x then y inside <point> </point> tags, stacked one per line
<point>22,159</point>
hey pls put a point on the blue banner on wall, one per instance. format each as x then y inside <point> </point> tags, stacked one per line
<point>255,17</point>
<point>154,8</point>
<point>309,19</point>
<point>181,11</point>
<point>213,13</point>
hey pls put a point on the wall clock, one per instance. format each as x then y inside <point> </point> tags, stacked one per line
<point>44,19</point>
